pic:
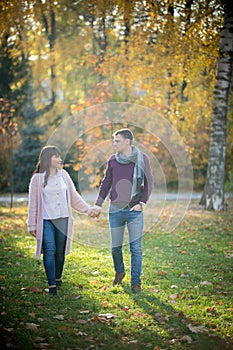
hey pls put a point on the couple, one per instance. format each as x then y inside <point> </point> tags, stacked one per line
<point>52,194</point>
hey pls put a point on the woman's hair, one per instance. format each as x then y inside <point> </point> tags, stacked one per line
<point>44,161</point>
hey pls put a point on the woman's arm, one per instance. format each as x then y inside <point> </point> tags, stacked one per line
<point>77,202</point>
<point>33,204</point>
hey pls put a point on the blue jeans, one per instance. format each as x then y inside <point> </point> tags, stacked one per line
<point>118,219</point>
<point>54,242</point>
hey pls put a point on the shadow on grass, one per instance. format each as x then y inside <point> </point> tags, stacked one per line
<point>30,319</point>
<point>175,324</point>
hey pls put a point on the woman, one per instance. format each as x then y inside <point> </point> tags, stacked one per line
<point>52,194</point>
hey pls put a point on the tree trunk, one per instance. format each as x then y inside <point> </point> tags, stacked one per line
<point>213,195</point>
<point>11,171</point>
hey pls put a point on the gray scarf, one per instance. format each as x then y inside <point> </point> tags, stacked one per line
<point>138,176</point>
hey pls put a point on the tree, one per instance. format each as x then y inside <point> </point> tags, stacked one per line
<point>213,195</point>
<point>160,54</point>
<point>18,126</point>
<point>8,131</point>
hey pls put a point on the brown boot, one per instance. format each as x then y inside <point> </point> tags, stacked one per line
<point>136,288</point>
<point>118,278</point>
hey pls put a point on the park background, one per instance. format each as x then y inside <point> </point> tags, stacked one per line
<point>61,58</point>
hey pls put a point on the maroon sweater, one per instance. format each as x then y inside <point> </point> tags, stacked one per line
<point>118,181</point>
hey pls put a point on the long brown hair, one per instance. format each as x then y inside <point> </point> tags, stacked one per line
<point>44,161</point>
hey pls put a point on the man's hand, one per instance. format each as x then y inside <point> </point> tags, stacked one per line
<point>137,207</point>
<point>93,212</point>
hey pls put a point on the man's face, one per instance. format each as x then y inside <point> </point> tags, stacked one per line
<point>120,144</point>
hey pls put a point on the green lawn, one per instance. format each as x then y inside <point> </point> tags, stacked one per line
<point>186,301</point>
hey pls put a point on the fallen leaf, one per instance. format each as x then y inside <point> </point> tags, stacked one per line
<point>186,339</point>
<point>42,346</point>
<point>77,297</point>
<point>84,311</point>
<point>93,282</point>
<point>35,290</point>
<point>206,283</point>
<point>81,321</point>
<point>137,314</point>
<point>182,275</point>
<point>229,256</point>
<point>183,252</point>
<point>81,334</point>
<point>126,308</point>
<point>211,309</point>
<point>162,273</point>
<point>107,316</point>
<point>9,329</point>
<point>104,287</point>
<point>104,303</point>
<point>173,296</point>
<point>197,329</point>
<point>32,326</point>
<point>95,273</point>
<point>59,317</point>
<point>39,339</point>
<point>161,318</point>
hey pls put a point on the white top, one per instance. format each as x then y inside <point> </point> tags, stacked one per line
<point>55,198</point>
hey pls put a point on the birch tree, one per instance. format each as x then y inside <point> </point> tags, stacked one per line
<point>213,195</point>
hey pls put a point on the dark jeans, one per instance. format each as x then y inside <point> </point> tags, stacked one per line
<point>54,242</point>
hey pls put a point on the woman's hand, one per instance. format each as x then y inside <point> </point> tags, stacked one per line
<point>93,212</point>
<point>33,233</point>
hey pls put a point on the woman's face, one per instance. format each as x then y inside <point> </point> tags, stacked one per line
<point>56,161</point>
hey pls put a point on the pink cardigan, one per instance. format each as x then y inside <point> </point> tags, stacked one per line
<point>35,208</point>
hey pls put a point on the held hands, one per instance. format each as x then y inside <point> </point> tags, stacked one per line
<point>94,212</point>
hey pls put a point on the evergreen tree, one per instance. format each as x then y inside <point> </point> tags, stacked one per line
<point>26,155</point>
<point>20,149</point>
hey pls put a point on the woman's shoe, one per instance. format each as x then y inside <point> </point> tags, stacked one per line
<point>58,283</point>
<point>53,291</point>
<point>118,278</point>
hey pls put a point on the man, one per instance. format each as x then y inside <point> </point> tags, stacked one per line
<point>129,180</point>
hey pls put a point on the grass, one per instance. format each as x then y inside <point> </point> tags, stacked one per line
<point>186,301</point>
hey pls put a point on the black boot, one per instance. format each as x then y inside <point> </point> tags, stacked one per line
<point>53,291</point>
<point>58,283</point>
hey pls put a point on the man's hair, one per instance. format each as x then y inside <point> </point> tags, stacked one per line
<point>126,133</point>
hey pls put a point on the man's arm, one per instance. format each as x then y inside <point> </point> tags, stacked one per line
<point>149,181</point>
<point>104,187</point>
